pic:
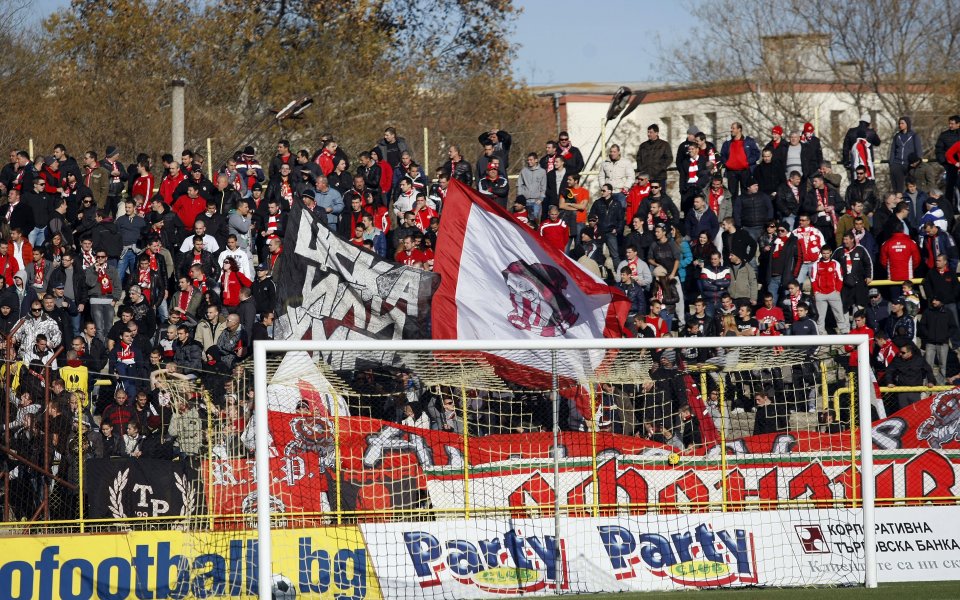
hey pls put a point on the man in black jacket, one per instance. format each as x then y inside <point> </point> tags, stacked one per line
<point>936,327</point>
<point>501,142</point>
<point>948,137</point>
<point>106,237</point>
<point>909,369</point>
<point>17,214</point>
<point>264,290</point>
<point>609,214</point>
<point>856,268</point>
<point>861,131</point>
<point>654,156</point>
<point>187,353</point>
<point>753,209</point>
<point>737,241</point>
<point>39,203</point>
<point>457,166</point>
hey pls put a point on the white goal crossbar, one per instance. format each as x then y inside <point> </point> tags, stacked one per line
<point>262,348</point>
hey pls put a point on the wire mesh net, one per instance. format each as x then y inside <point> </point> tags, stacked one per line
<point>483,473</point>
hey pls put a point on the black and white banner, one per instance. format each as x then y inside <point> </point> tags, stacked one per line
<point>332,289</point>
<point>120,488</point>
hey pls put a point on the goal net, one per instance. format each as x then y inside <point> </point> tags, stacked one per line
<point>461,470</point>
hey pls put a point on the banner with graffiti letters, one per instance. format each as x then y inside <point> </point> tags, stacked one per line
<point>330,289</point>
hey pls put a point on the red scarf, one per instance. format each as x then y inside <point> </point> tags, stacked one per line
<point>143,279</point>
<point>692,169</point>
<point>88,259</point>
<point>125,355</point>
<point>778,244</point>
<point>201,285</point>
<point>848,259</point>
<point>183,301</point>
<point>38,273</point>
<point>714,200</point>
<point>106,286</point>
<point>273,222</point>
<point>154,265</point>
<point>113,167</point>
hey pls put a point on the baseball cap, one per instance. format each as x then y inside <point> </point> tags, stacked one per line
<point>873,292</point>
<point>263,267</point>
<point>899,300</point>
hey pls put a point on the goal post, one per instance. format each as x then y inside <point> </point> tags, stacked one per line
<point>547,353</point>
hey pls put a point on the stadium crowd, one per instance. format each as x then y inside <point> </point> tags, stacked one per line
<point>159,280</point>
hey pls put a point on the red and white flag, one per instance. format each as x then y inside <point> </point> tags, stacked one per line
<point>500,280</point>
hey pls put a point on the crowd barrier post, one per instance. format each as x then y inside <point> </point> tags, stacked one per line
<point>465,426</point>
<point>210,446</point>
<point>210,159</point>
<point>555,397</point>
<point>854,423</point>
<point>595,488</point>
<point>426,151</point>
<point>824,386</point>
<point>336,458</point>
<point>46,433</point>
<point>80,465</point>
<point>722,386</point>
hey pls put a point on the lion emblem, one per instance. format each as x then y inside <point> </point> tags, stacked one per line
<point>537,295</point>
<point>943,424</point>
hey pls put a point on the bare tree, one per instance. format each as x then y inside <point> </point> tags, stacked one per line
<point>767,62</point>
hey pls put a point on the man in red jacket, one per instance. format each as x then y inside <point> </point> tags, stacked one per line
<point>189,205</point>
<point>826,283</point>
<point>900,255</point>
<point>554,230</point>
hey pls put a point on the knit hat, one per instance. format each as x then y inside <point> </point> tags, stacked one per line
<point>777,130</point>
<point>808,127</point>
<point>248,151</point>
<point>111,151</point>
<point>865,118</point>
<point>693,130</point>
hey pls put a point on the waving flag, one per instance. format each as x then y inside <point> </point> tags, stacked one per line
<point>500,280</point>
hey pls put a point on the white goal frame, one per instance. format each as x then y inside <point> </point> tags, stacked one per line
<point>262,348</point>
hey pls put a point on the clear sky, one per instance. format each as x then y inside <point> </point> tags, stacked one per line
<point>608,41</point>
<point>570,41</point>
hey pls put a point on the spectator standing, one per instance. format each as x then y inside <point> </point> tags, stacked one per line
<point>858,146</point>
<point>856,271</point>
<point>609,214</point>
<point>739,154</point>
<point>826,281</point>
<point>532,187</point>
<point>570,153</point>
<point>329,201</point>
<point>909,369</point>
<point>501,142</point>
<point>936,326</point>
<point>616,171</point>
<point>743,279</point>
<point>947,139</point>
<point>905,143</point>
<point>654,157</point>
<point>752,209</point>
